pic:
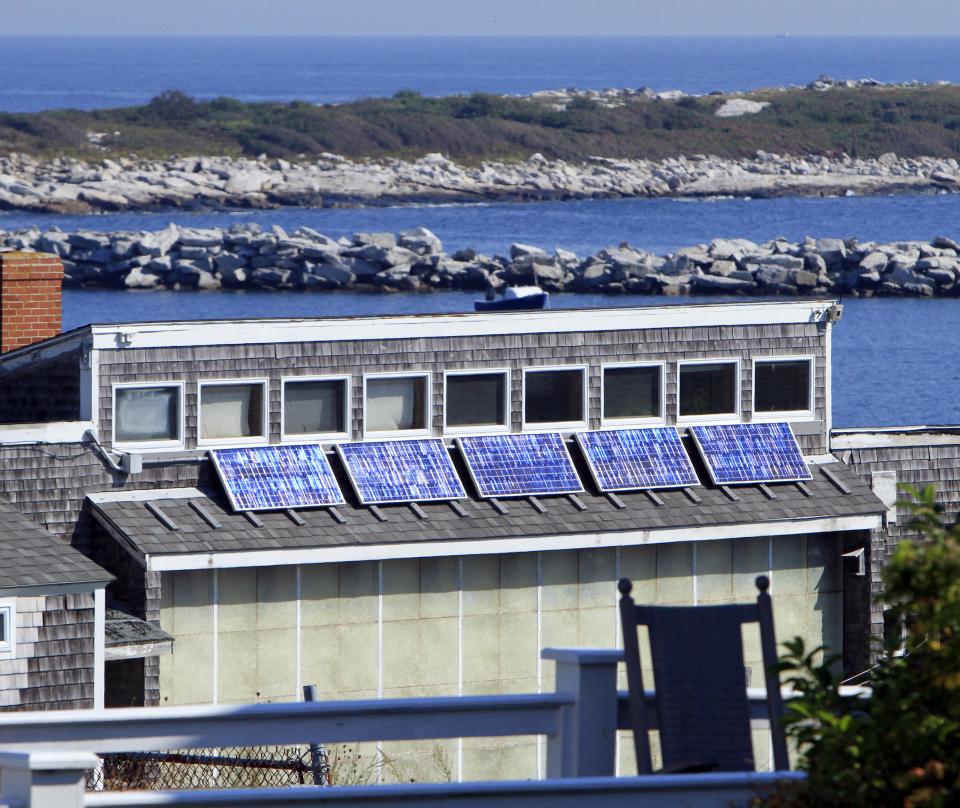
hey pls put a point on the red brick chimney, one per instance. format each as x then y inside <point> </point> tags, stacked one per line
<point>30,286</point>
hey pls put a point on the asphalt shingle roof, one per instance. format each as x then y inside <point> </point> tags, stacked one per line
<point>30,556</point>
<point>121,628</point>
<point>193,534</point>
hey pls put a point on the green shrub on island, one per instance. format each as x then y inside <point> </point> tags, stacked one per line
<point>860,122</point>
<point>900,747</point>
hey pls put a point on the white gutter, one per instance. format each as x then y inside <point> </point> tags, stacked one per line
<point>340,329</point>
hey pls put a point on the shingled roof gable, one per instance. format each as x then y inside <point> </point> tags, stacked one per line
<point>30,556</point>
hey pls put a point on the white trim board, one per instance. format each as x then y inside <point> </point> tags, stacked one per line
<point>52,432</point>
<point>435,549</point>
<point>881,438</point>
<point>77,588</point>
<point>235,332</point>
<point>148,495</point>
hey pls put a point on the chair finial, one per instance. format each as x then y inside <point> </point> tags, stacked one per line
<point>625,585</point>
<point>763,583</point>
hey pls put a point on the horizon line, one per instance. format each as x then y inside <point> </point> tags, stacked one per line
<point>771,35</point>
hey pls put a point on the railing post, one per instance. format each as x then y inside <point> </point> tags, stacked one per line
<point>317,754</point>
<point>586,743</point>
<point>44,779</point>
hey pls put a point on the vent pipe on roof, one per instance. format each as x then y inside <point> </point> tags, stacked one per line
<point>30,285</point>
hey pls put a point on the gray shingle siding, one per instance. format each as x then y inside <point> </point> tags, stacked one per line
<point>54,665</point>
<point>358,357</point>
<point>917,465</point>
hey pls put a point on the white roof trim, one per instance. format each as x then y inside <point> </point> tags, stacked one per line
<point>886,437</point>
<point>146,495</point>
<point>53,432</point>
<point>235,332</point>
<point>56,589</point>
<point>434,549</point>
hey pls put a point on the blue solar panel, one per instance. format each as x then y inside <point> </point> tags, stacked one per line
<point>751,453</point>
<point>401,471</point>
<point>625,459</point>
<point>265,478</point>
<point>520,465</point>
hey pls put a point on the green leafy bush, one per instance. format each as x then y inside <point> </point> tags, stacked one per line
<point>901,747</point>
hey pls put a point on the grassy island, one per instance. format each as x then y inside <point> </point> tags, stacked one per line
<point>860,122</point>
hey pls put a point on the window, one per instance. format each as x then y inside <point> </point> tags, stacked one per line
<point>783,386</point>
<point>232,412</point>
<point>555,396</point>
<point>315,407</point>
<point>633,393</point>
<point>147,415</point>
<point>477,401</point>
<point>708,390</point>
<point>8,628</point>
<point>396,404</point>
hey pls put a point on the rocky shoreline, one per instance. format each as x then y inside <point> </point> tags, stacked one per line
<point>248,257</point>
<point>71,186</point>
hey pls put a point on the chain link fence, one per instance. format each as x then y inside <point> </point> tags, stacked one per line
<point>228,767</point>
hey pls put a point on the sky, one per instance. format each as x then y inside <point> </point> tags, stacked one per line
<point>483,17</point>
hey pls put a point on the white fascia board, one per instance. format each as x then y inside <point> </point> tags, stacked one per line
<point>341,329</point>
<point>53,432</point>
<point>56,589</point>
<point>887,437</point>
<point>435,549</point>
<point>146,495</point>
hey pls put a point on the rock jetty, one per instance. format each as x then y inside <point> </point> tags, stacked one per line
<point>67,185</point>
<point>249,257</point>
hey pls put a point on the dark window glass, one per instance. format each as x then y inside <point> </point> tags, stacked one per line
<point>314,407</point>
<point>782,386</point>
<point>144,414</point>
<point>476,400</point>
<point>4,616</point>
<point>631,392</point>
<point>554,396</point>
<point>708,389</point>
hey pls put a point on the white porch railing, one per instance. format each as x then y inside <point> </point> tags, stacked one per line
<point>44,756</point>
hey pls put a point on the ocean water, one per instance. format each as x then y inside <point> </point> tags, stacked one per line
<point>45,72</point>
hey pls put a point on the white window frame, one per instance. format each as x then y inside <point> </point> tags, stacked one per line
<point>553,426</point>
<point>718,418</point>
<point>150,444</point>
<point>427,431</point>
<point>614,423</point>
<point>315,436</point>
<point>8,649</point>
<point>239,441</point>
<point>784,415</point>
<point>480,430</point>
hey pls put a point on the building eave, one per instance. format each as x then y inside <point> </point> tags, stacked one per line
<point>434,549</point>
<point>125,336</point>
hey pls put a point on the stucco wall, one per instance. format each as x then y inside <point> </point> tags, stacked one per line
<point>466,625</point>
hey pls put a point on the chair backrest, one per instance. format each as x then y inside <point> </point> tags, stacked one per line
<point>703,712</point>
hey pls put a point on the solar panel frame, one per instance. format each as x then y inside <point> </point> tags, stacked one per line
<point>484,490</point>
<point>719,479</point>
<point>358,488</point>
<point>691,480</point>
<point>243,503</point>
